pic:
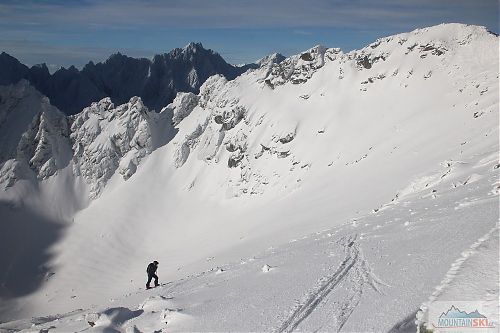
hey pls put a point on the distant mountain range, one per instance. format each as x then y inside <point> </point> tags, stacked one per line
<point>120,77</point>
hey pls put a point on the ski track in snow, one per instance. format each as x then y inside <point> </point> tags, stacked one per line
<point>354,269</point>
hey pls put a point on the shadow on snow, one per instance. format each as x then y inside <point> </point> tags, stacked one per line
<point>25,241</point>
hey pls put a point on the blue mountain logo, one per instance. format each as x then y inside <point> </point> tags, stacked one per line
<point>454,312</point>
<point>455,318</point>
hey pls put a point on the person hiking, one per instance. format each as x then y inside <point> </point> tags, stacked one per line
<point>151,270</point>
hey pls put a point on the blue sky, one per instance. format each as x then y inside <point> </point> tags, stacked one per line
<point>71,32</point>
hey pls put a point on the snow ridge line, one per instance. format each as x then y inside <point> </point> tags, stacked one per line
<point>316,296</point>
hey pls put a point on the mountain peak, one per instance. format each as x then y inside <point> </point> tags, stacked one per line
<point>193,46</point>
<point>42,67</point>
<point>4,57</point>
<point>11,70</point>
<point>190,49</point>
<point>116,57</point>
<point>5,54</point>
<point>274,58</point>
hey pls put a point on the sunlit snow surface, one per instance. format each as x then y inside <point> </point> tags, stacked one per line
<point>330,192</point>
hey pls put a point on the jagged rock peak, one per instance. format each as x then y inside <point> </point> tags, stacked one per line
<point>108,138</point>
<point>116,56</point>
<point>19,105</point>
<point>41,67</point>
<point>300,68</point>
<point>190,50</point>
<point>182,106</point>
<point>4,56</point>
<point>34,135</point>
<point>274,58</point>
<point>193,47</point>
<point>45,145</point>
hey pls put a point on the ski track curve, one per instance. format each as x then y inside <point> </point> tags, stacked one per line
<point>359,272</point>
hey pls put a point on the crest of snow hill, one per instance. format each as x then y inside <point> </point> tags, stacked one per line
<point>213,126</point>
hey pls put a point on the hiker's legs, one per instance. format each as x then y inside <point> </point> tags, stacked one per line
<point>156,279</point>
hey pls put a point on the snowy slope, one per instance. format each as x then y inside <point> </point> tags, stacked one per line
<point>373,150</point>
<point>367,274</point>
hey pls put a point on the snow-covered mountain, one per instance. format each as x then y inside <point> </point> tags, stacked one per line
<point>34,134</point>
<point>108,139</point>
<point>99,141</point>
<point>120,77</point>
<point>310,193</point>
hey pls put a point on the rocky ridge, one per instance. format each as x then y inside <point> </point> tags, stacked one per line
<point>120,77</point>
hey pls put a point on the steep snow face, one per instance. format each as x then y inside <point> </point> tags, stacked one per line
<point>321,140</point>
<point>19,104</point>
<point>36,135</point>
<point>218,114</point>
<point>109,139</point>
<point>112,140</point>
<point>274,58</point>
<point>182,106</point>
<point>45,145</point>
<point>268,128</point>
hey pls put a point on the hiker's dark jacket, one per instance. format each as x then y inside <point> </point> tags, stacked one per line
<point>151,269</point>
